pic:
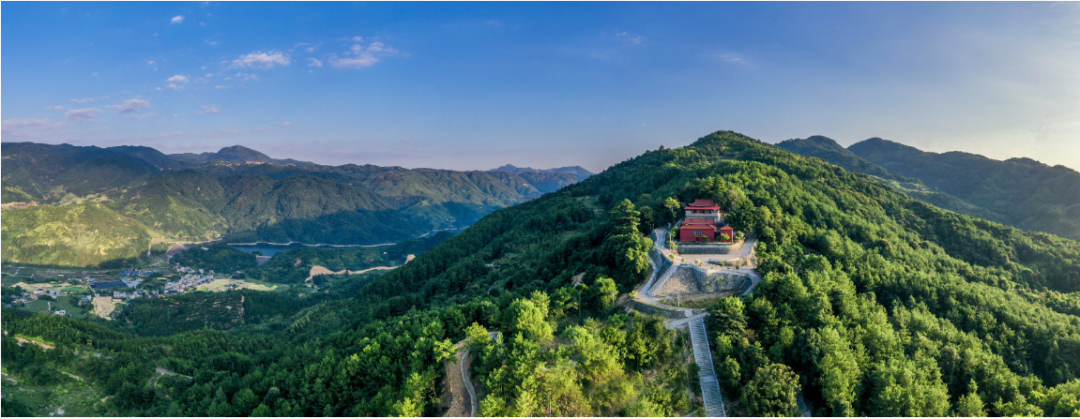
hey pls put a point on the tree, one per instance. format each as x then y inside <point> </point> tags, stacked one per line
<point>904,387</point>
<point>971,405</point>
<point>444,350</point>
<point>477,335</point>
<point>673,206</point>
<point>729,375</point>
<point>603,293</point>
<point>262,411</point>
<point>647,216</point>
<point>728,316</point>
<point>772,392</point>
<point>523,316</point>
<point>838,368</point>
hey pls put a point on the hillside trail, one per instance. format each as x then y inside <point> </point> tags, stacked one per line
<point>459,392</point>
<point>322,270</point>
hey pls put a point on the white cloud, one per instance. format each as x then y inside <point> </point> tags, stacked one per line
<point>357,39</point>
<point>282,125</point>
<point>150,62</point>
<point>361,61</point>
<point>209,75</point>
<point>130,105</point>
<point>261,59</point>
<point>22,123</point>
<point>212,43</point>
<point>89,99</point>
<point>630,40</point>
<point>314,62</point>
<point>87,114</point>
<point>208,109</point>
<point>29,129</point>
<point>177,19</point>
<point>243,77</point>
<point>732,58</point>
<point>177,79</point>
<point>360,56</point>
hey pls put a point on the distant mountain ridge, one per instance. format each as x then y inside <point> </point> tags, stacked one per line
<point>573,170</point>
<point>547,180</point>
<point>237,193</point>
<point>235,154</point>
<point>1021,191</point>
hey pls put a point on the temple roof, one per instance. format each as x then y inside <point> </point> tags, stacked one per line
<point>703,204</point>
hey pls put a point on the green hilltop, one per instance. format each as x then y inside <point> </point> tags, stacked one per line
<point>873,303</point>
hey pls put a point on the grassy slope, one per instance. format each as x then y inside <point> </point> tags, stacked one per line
<point>80,235</point>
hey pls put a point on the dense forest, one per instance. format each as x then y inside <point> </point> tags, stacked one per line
<point>121,200</point>
<point>873,304</point>
<point>1020,192</point>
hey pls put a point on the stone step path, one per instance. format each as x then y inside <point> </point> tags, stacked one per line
<point>710,384</point>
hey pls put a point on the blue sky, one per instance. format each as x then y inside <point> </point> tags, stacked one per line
<point>478,85</point>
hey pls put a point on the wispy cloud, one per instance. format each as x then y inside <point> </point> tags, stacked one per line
<point>243,77</point>
<point>208,109</point>
<point>86,114</point>
<point>177,19</point>
<point>282,125</point>
<point>361,56</point>
<point>176,82</point>
<point>261,59</point>
<point>732,58</point>
<point>22,127</point>
<point>630,40</point>
<point>130,105</point>
<point>314,62</point>
<point>226,131</point>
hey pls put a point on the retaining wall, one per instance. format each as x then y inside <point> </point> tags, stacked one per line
<point>689,279</point>
<point>710,249</point>
<point>673,312</point>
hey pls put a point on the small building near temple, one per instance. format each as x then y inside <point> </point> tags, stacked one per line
<point>703,232</point>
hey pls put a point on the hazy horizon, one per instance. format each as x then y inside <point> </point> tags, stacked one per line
<point>473,86</point>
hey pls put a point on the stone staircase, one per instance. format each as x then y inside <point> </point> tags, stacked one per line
<point>710,385</point>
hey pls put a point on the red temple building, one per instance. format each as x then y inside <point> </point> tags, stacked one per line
<point>702,217</point>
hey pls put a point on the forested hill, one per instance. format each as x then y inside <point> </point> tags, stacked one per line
<point>1020,192</point>
<point>236,193</point>
<point>872,304</point>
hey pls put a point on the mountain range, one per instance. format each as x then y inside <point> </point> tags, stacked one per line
<point>870,303</point>
<point>1020,192</point>
<point>67,197</point>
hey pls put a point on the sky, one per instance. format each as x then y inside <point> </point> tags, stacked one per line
<point>478,85</point>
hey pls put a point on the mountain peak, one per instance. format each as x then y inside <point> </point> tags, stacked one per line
<point>239,154</point>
